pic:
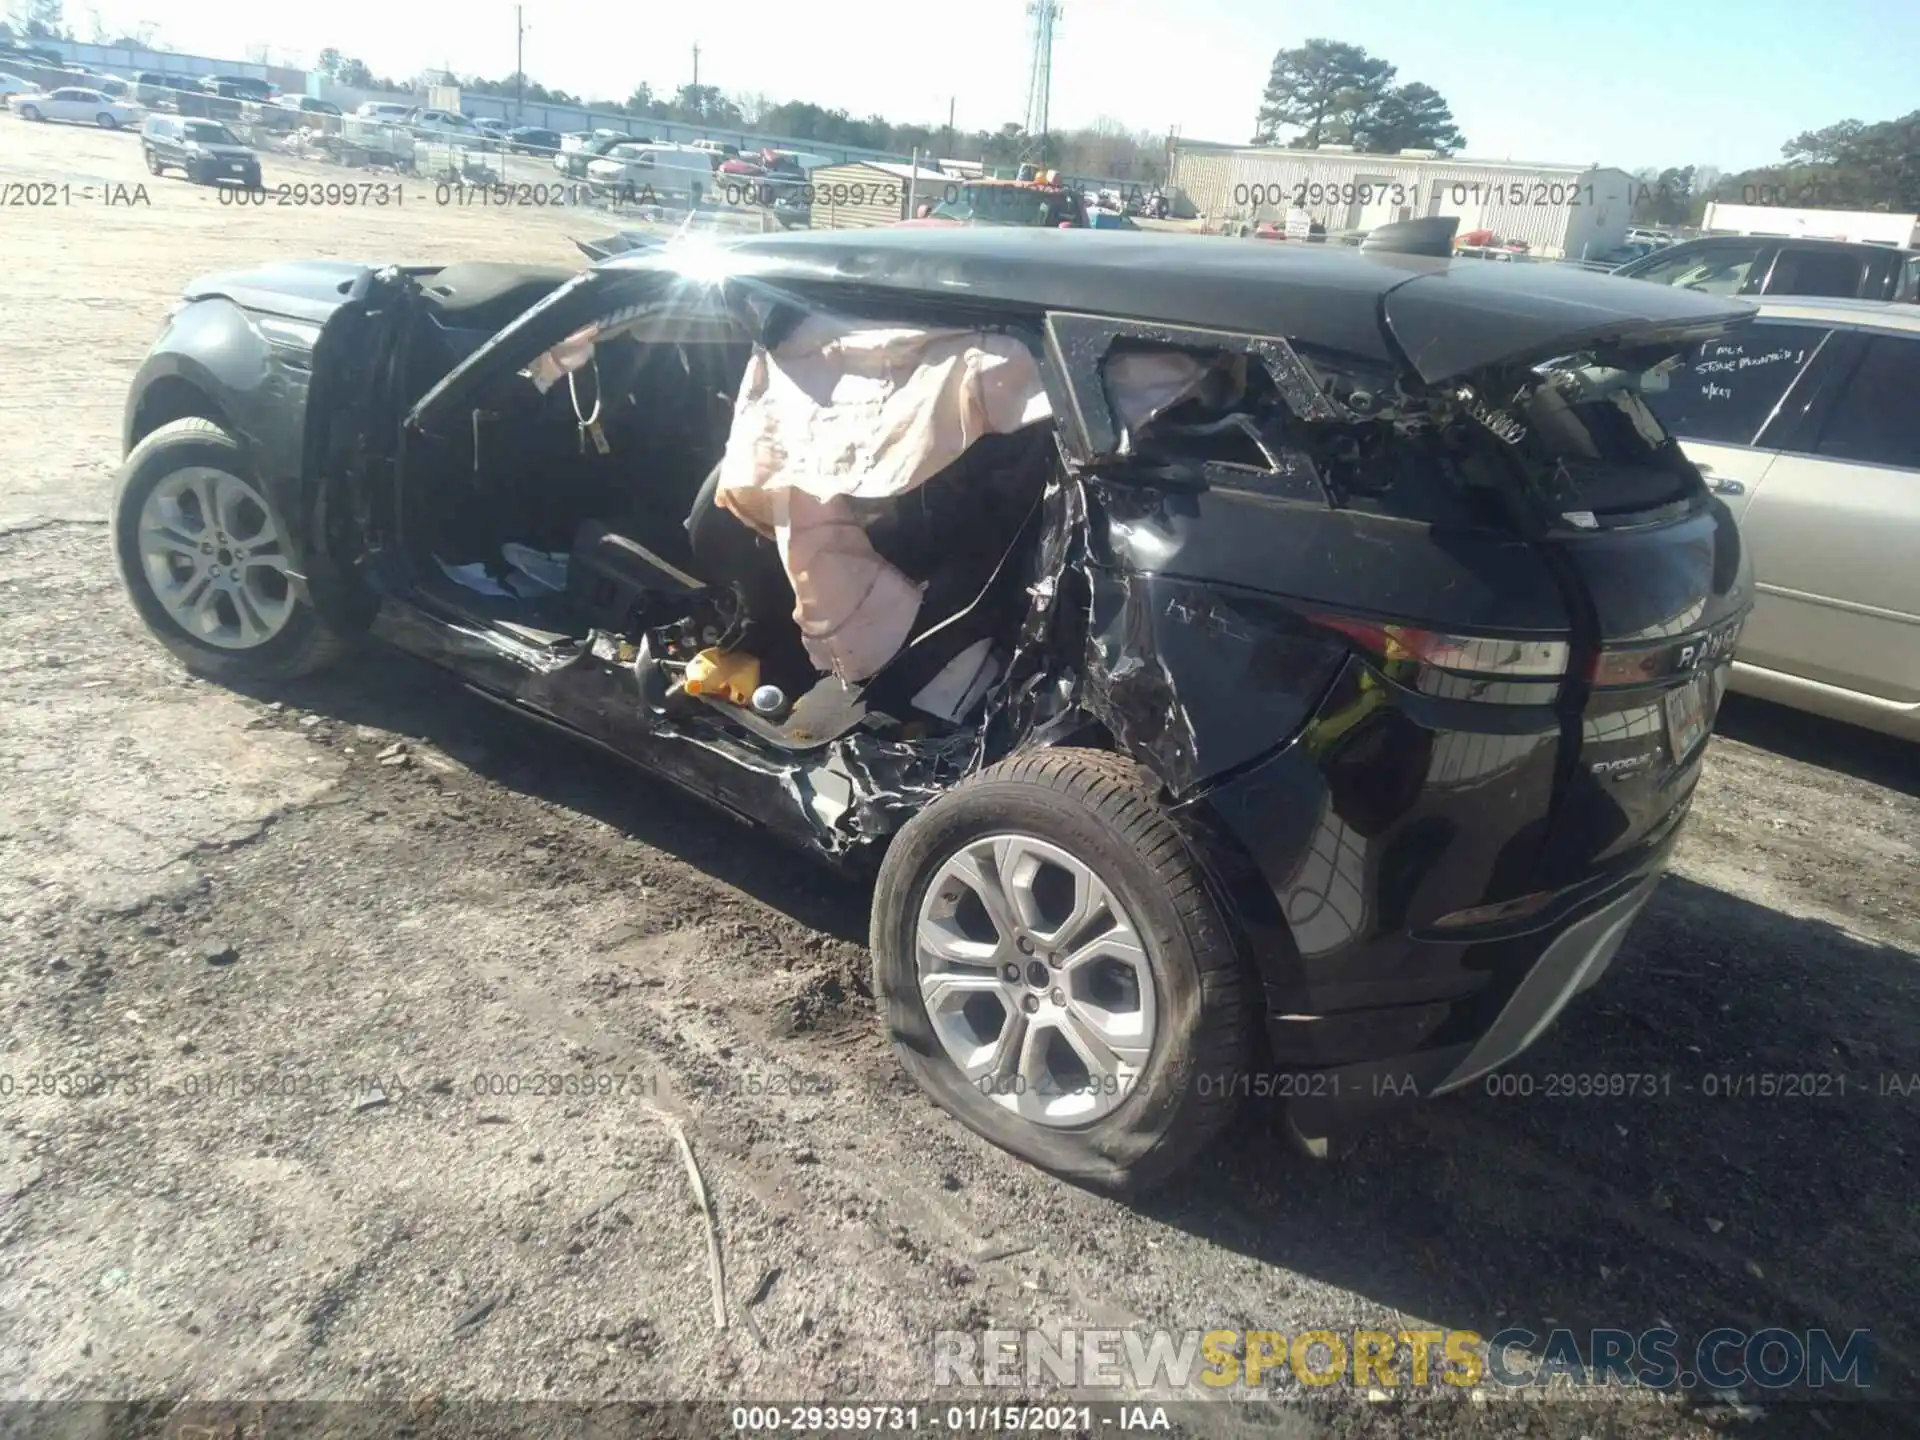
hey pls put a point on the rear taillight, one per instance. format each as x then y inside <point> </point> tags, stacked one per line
<point>1483,657</point>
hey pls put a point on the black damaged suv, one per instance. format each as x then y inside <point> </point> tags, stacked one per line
<point>1332,717</point>
<point>205,151</point>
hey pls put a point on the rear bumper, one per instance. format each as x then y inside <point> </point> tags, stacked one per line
<point>216,172</point>
<point>1341,1098</point>
<point>1573,961</point>
<point>1351,858</point>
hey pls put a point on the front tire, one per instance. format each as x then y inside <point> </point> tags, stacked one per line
<point>205,555</point>
<point>106,121</point>
<point>1054,970</point>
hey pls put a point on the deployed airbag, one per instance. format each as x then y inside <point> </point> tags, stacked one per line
<point>841,410</point>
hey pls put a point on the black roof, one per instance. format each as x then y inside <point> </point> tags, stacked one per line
<point>1448,316</point>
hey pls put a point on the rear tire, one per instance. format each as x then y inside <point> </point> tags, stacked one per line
<point>1188,1027</point>
<point>153,164</point>
<point>29,112</point>
<point>261,631</point>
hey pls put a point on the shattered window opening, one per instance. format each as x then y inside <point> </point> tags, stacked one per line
<point>774,520</point>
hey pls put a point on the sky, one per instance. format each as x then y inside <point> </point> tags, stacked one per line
<point>1629,83</point>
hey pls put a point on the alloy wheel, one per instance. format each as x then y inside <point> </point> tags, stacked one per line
<point>1036,979</point>
<point>215,559</point>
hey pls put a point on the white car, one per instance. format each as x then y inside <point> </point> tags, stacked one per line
<point>580,147</point>
<point>11,85</point>
<point>385,111</point>
<point>84,107</point>
<point>1806,425</point>
<point>443,122</point>
<point>653,172</point>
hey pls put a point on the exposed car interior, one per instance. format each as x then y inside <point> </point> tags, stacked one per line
<point>586,515</point>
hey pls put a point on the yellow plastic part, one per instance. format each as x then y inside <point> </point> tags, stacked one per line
<point>730,675</point>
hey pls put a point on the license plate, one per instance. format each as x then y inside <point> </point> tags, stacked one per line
<point>238,169</point>
<point>1687,710</point>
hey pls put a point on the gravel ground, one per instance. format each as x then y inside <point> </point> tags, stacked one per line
<point>305,955</point>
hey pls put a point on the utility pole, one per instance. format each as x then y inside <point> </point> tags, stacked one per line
<point>519,63</point>
<point>950,105</point>
<point>696,65</point>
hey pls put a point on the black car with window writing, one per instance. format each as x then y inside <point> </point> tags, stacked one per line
<point>1305,672</point>
<point>205,151</point>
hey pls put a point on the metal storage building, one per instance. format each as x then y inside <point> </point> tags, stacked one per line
<point>863,194</point>
<point>1558,210</point>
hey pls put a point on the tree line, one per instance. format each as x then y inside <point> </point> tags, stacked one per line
<point>1851,165</point>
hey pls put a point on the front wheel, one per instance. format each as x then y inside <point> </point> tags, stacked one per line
<point>205,558</point>
<point>106,121</point>
<point>1055,973</point>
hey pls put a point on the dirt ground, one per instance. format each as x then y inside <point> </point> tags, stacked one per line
<point>305,969</point>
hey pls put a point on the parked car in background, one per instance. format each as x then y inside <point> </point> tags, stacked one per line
<point>533,140</point>
<point>209,103</point>
<point>1768,265</point>
<point>492,126</point>
<point>240,87</point>
<point>32,55</point>
<point>11,85</point>
<point>205,151</point>
<point>111,86</point>
<point>424,121</point>
<point>309,105</point>
<point>1038,203</point>
<point>582,147</point>
<point>80,107</point>
<point>386,112</point>
<point>1270,706</point>
<point>1624,254</point>
<point>665,172</point>
<point>158,89</point>
<point>1645,235</point>
<point>1808,426</point>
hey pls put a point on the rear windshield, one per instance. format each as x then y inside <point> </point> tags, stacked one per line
<point>206,132</point>
<point>1570,442</point>
<point>1588,439</point>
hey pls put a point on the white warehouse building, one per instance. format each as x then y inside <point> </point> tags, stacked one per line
<point>1557,210</point>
